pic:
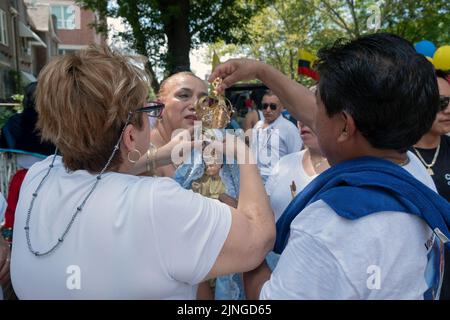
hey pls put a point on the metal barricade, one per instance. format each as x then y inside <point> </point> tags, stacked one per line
<point>8,167</point>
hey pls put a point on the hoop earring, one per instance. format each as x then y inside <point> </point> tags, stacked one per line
<point>132,160</point>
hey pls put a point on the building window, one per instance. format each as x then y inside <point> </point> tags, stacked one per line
<point>26,50</point>
<point>3,30</point>
<point>65,16</point>
<point>65,51</point>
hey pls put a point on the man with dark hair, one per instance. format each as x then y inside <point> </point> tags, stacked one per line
<point>274,136</point>
<point>365,228</point>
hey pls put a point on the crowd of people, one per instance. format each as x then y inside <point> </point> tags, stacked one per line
<point>353,203</point>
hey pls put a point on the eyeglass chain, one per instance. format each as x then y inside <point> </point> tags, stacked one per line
<point>79,208</point>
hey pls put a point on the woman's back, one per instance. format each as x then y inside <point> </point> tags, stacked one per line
<point>130,241</point>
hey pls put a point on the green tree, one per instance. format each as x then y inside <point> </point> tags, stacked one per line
<point>412,19</point>
<point>284,26</point>
<point>166,30</point>
<point>278,31</point>
<point>417,20</point>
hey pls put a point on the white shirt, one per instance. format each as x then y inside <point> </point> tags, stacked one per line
<point>136,237</point>
<point>381,256</point>
<point>278,186</point>
<point>269,144</point>
<point>290,168</point>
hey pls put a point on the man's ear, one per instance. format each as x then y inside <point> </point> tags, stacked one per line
<point>348,127</point>
<point>129,139</point>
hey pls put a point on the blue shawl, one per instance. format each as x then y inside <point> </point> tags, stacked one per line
<point>359,187</point>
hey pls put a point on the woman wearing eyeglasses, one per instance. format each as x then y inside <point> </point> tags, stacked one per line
<point>88,228</point>
<point>433,150</point>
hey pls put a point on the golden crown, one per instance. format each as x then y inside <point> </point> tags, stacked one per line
<point>215,110</point>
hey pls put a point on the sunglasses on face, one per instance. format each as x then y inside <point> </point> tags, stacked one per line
<point>153,109</point>
<point>444,101</point>
<point>272,106</point>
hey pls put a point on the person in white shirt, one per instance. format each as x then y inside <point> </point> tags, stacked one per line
<point>88,228</point>
<point>365,228</point>
<point>291,174</point>
<point>273,137</point>
<point>294,171</point>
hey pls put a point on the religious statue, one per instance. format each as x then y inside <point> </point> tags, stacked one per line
<point>207,174</point>
<point>210,184</point>
<point>215,112</point>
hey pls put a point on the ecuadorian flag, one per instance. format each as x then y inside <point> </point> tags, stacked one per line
<point>305,61</point>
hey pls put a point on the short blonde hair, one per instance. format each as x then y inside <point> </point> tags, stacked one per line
<point>83,100</point>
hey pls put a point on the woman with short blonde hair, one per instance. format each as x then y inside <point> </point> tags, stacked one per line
<point>88,228</point>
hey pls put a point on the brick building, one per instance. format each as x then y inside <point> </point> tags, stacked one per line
<point>73,24</point>
<point>33,31</point>
<point>16,41</point>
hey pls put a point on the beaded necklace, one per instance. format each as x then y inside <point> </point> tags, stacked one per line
<point>79,208</point>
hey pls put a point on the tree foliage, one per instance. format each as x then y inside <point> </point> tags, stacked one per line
<point>284,26</point>
<point>165,30</point>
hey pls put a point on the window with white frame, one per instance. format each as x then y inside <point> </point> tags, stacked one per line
<point>65,16</point>
<point>3,30</point>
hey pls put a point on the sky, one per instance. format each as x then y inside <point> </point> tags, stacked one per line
<point>198,67</point>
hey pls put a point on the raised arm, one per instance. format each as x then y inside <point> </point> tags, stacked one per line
<point>299,100</point>
<point>252,232</point>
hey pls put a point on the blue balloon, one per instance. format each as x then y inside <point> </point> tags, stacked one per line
<point>425,47</point>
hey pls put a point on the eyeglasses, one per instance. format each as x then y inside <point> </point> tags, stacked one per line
<point>153,109</point>
<point>273,106</point>
<point>444,101</point>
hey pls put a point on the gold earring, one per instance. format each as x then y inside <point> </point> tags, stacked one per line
<point>132,160</point>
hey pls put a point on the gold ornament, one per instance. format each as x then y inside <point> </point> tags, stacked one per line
<point>215,111</point>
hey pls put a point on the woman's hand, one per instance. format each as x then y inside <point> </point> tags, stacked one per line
<point>178,149</point>
<point>5,257</point>
<point>233,148</point>
<point>297,99</point>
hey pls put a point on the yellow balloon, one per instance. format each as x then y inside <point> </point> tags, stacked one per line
<point>441,58</point>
